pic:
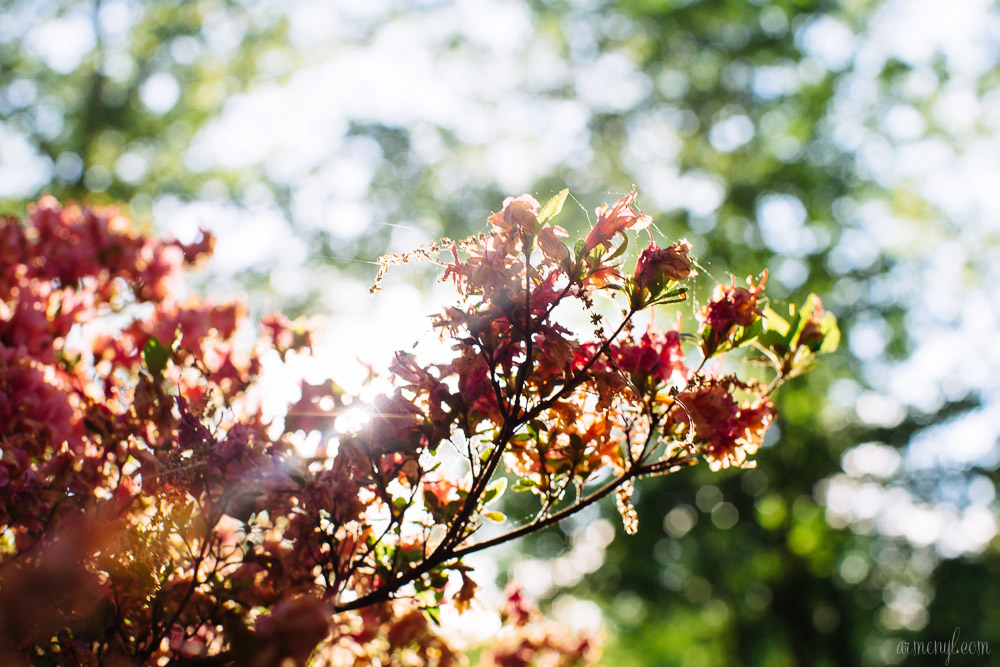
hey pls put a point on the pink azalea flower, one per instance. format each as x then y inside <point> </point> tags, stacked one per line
<point>614,219</point>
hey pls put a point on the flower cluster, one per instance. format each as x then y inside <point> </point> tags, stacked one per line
<point>149,515</point>
<point>729,430</point>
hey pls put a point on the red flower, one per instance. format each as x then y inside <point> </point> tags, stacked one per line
<point>655,356</point>
<point>614,219</point>
<point>730,307</point>
<point>442,491</point>
<point>287,335</point>
<point>670,264</point>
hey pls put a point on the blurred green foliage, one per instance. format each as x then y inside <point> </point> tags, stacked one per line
<point>110,93</point>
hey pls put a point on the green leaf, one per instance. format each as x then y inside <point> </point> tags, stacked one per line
<point>810,306</point>
<point>619,250</point>
<point>384,552</point>
<point>831,333</point>
<point>748,334</point>
<point>710,344</point>
<point>182,517</point>
<point>432,502</point>
<point>434,614</point>
<point>806,314</point>
<point>552,207</point>
<point>774,341</point>
<point>675,292</point>
<point>674,296</point>
<point>155,357</point>
<point>496,517</point>
<point>575,442</point>
<point>143,575</point>
<point>523,485</point>
<point>775,322</point>
<point>494,490</point>
<point>618,288</point>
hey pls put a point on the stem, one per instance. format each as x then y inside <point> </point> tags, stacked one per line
<point>472,501</point>
<point>157,639</point>
<point>523,371</point>
<point>775,383</point>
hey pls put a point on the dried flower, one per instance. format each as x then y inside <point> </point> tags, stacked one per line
<point>623,497</point>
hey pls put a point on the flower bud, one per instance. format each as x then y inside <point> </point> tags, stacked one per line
<point>813,331</point>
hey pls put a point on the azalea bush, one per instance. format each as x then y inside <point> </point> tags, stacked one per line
<point>150,515</point>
